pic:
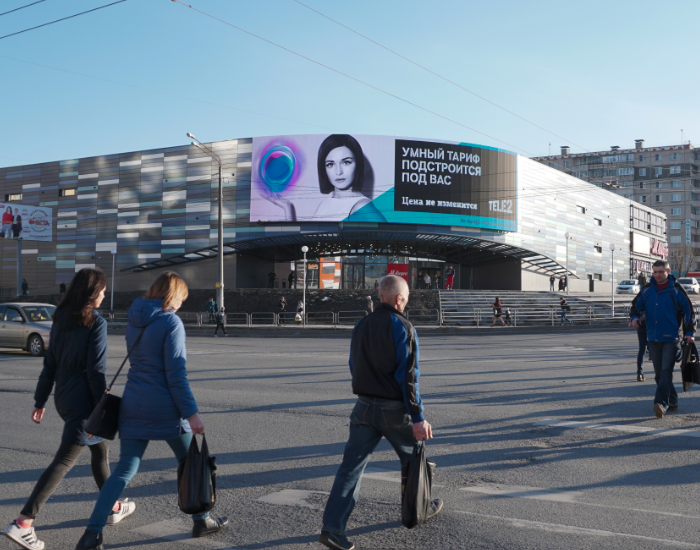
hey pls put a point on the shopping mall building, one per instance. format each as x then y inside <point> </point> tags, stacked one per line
<point>363,205</point>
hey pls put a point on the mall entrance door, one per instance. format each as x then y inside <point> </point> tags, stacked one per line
<point>436,274</point>
<point>353,276</point>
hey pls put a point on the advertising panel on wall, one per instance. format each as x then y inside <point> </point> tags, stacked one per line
<point>338,177</point>
<point>400,270</point>
<point>29,223</point>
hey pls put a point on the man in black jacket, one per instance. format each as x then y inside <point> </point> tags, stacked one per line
<point>384,369</point>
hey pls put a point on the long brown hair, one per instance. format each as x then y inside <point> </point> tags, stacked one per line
<point>170,287</point>
<point>79,299</point>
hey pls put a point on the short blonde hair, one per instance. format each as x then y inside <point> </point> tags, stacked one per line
<point>170,287</point>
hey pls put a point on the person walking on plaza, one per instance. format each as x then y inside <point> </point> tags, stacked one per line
<point>62,288</point>
<point>291,278</point>
<point>426,281</point>
<point>551,283</point>
<point>667,308</point>
<point>282,306</point>
<point>497,311</point>
<point>643,340</point>
<point>300,312</point>
<point>221,322</point>
<point>271,279</point>
<point>449,277</point>
<point>157,404</point>
<point>565,308</point>
<point>74,367</point>
<point>25,287</point>
<point>561,284</point>
<point>369,305</point>
<point>212,311</point>
<point>384,370</point>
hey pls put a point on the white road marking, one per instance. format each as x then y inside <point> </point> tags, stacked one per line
<point>291,497</point>
<point>616,428</point>
<point>572,530</point>
<point>181,531</point>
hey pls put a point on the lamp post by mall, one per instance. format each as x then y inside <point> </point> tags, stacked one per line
<point>304,249</point>
<point>114,255</point>
<point>566,279</point>
<point>612,277</point>
<point>220,247</point>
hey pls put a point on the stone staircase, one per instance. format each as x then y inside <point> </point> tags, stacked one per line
<point>473,308</point>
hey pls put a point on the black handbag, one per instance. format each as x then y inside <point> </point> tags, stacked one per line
<point>416,487</point>
<point>104,419</point>
<point>690,366</point>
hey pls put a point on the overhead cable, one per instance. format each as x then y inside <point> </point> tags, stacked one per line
<point>22,7</point>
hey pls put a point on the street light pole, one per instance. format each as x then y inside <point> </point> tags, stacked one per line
<point>114,255</point>
<point>566,235</point>
<point>304,249</point>
<point>612,277</point>
<point>220,245</point>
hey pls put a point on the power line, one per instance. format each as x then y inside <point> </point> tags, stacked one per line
<point>62,19</point>
<point>351,77</point>
<point>437,74</point>
<point>22,7</point>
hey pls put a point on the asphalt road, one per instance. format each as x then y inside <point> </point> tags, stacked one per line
<point>512,477</point>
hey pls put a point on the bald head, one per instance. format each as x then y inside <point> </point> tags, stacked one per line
<point>393,290</point>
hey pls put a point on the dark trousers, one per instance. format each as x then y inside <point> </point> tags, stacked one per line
<point>663,356</point>
<point>212,317</point>
<point>220,325</point>
<point>64,460</point>
<point>642,337</point>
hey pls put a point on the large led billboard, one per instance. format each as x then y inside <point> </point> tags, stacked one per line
<point>29,223</point>
<point>339,177</point>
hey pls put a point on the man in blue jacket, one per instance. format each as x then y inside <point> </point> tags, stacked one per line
<point>666,307</point>
<point>384,369</point>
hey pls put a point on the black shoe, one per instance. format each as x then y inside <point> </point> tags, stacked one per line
<point>672,408</point>
<point>208,526</point>
<point>640,377</point>
<point>435,507</point>
<point>91,540</point>
<point>335,542</point>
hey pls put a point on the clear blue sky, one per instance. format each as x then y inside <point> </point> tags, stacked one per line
<point>597,73</point>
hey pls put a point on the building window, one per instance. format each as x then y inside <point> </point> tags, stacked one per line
<point>643,185</point>
<point>659,198</point>
<point>676,183</point>
<point>642,171</point>
<point>598,221</point>
<point>675,170</point>
<point>675,211</point>
<point>598,249</point>
<point>675,156</point>
<point>657,157</point>
<point>15,197</point>
<point>597,276</point>
<point>66,192</point>
<point>566,164</point>
<point>643,198</point>
<point>625,171</point>
<point>581,209</point>
<point>642,158</point>
<point>675,225</point>
<point>676,197</point>
<point>658,171</point>
<point>659,185</point>
<point>551,165</point>
<point>675,239</point>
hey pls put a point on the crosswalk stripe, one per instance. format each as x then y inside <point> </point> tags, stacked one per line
<point>644,430</point>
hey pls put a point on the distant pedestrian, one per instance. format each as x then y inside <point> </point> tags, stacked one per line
<point>449,277</point>
<point>551,283</point>
<point>282,306</point>
<point>62,288</point>
<point>74,367</point>
<point>507,318</point>
<point>369,306</point>
<point>300,312</point>
<point>668,309</point>
<point>565,308</point>
<point>561,283</point>
<point>497,312</point>
<point>642,339</point>
<point>384,369</point>
<point>212,311</point>
<point>25,287</point>
<point>426,281</point>
<point>271,279</point>
<point>291,278</point>
<point>221,322</point>
<point>642,280</point>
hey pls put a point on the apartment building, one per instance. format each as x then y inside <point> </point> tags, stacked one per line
<point>663,178</point>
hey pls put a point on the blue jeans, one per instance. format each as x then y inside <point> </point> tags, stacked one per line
<point>663,356</point>
<point>564,318</point>
<point>642,337</point>
<point>371,419</point>
<point>132,451</point>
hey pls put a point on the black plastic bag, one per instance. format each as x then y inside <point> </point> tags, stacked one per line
<point>690,366</point>
<point>416,487</point>
<point>196,480</point>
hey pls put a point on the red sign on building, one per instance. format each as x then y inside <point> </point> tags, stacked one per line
<point>400,270</point>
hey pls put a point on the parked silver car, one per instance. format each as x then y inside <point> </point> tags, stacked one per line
<point>26,326</point>
<point>690,284</point>
<point>629,286</point>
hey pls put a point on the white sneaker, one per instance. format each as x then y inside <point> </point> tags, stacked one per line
<point>26,538</point>
<point>126,509</point>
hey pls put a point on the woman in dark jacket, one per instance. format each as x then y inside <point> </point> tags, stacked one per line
<point>157,400</point>
<point>74,366</point>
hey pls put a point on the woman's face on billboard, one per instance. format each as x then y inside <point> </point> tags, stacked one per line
<point>340,167</point>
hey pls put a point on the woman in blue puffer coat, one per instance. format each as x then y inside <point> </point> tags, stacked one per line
<point>157,403</point>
